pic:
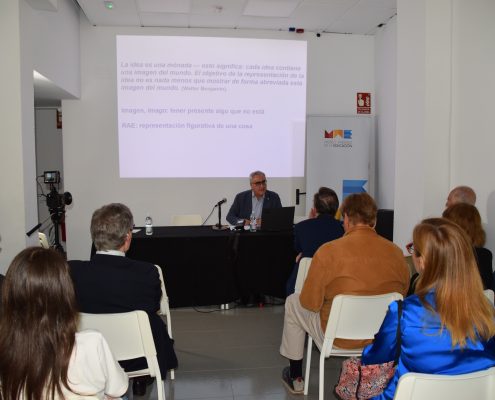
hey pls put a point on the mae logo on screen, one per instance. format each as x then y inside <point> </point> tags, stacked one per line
<point>338,138</point>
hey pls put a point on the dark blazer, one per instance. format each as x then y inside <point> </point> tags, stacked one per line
<point>243,203</point>
<point>2,277</point>
<point>311,233</point>
<point>114,284</point>
<point>484,260</point>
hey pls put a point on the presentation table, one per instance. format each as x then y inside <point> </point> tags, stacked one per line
<point>202,266</point>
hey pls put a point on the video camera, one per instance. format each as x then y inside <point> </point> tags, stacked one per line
<point>54,200</point>
<point>56,203</point>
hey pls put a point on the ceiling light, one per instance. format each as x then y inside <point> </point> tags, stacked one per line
<point>108,5</point>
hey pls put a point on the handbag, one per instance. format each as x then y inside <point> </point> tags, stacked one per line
<point>359,381</point>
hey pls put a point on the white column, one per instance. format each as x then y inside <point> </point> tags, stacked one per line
<point>18,211</point>
<point>423,152</point>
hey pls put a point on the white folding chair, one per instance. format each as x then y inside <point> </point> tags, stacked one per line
<point>165,310</point>
<point>476,385</point>
<point>129,336</point>
<point>187,220</point>
<point>302,273</point>
<point>490,295</point>
<point>351,317</point>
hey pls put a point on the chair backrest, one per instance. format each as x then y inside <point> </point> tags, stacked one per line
<point>128,335</point>
<point>357,317</point>
<point>476,385</point>
<point>302,273</point>
<point>490,295</point>
<point>164,302</point>
<point>187,220</point>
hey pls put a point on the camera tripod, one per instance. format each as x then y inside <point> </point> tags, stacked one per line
<point>56,216</point>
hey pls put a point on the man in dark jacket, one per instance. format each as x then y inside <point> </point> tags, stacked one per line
<point>253,200</point>
<point>321,227</point>
<point>112,283</point>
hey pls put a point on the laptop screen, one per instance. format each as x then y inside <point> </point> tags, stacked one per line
<point>277,219</point>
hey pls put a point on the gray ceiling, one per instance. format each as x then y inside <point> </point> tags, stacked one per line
<point>335,16</point>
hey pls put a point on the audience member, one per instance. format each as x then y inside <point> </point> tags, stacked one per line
<point>113,283</point>
<point>461,194</point>
<point>448,325</point>
<point>320,228</point>
<point>361,262</point>
<point>42,356</point>
<point>253,200</point>
<point>469,219</point>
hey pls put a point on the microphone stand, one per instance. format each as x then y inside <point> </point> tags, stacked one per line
<point>218,226</point>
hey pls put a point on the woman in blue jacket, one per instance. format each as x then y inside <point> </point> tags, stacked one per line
<point>448,325</point>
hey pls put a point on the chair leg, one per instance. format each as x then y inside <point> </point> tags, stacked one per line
<point>321,383</point>
<point>169,330</point>
<point>160,389</point>
<point>308,364</point>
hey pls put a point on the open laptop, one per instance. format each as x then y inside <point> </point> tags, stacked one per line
<point>277,219</point>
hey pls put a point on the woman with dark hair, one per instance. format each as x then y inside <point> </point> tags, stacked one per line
<point>448,326</point>
<point>42,356</point>
<point>468,218</point>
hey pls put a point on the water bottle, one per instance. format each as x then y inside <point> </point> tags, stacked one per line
<point>148,224</point>
<point>252,222</point>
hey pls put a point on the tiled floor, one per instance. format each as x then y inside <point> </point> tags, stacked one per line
<point>234,354</point>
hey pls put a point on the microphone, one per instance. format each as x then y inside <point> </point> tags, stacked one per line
<point>224,200</point>
<point>219,226</point>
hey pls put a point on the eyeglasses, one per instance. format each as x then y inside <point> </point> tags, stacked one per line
<point>410,248</point>
<point>259,183</point>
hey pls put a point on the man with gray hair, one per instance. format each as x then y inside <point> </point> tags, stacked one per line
<point>113,283</point>
<point>253,200</point>
<point>461,194</point>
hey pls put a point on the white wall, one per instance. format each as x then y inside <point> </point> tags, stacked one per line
<point>12,216</point>
<point>386,111</point>
<point>473,114</point>
<point>55,45</point>
<point>446,59</point>
<point>338,67</point>
<point>26,37</point>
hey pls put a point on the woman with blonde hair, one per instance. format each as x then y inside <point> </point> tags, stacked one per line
<point>468,218</point>
<point>448,325</point>
<point>42,356</point>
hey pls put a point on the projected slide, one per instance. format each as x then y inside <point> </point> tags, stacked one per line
<point>210,107</point>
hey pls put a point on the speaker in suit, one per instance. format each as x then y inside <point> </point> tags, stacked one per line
<point>254,200</point>
<point>242,206</point>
